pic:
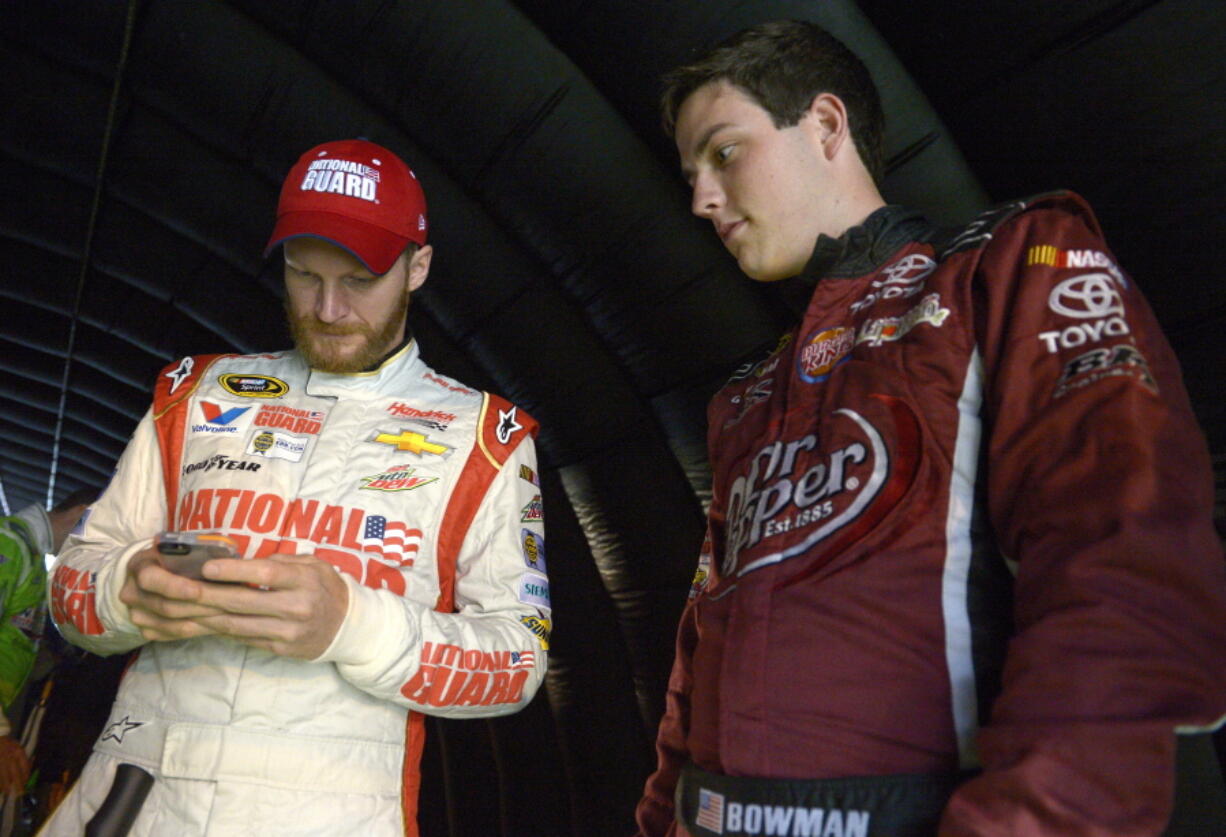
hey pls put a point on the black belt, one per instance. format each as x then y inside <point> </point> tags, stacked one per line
<point>866,806</point>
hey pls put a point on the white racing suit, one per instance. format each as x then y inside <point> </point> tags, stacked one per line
<point>421,492</point>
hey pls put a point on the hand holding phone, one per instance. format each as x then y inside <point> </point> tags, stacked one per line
<point>183,553</point>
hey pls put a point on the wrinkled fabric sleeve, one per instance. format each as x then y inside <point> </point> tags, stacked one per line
<point>85,580</point>
<point>1099,490</point>
<point>656,809</point>
<point>489,656</point>
<point>655,813</point>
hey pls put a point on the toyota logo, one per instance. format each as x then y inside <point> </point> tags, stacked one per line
<point>908,270</point>
<point>1091,296</point>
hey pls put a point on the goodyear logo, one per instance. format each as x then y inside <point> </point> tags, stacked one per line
<point>253,386</point>
<point>540,627</point>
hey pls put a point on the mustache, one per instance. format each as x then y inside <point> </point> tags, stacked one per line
<point>316,326</point>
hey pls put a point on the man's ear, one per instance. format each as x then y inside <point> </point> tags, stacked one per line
<point>419,267</point>
<point>827,119</point>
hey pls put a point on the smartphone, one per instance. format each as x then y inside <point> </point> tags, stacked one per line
<point>183,553</point>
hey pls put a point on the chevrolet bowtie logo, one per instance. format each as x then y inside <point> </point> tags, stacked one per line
<point>410,442</point>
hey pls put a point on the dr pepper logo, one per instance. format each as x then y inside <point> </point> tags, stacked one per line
<point>803,491</point>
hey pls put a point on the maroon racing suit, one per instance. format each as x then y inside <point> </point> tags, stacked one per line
<point>961,521</point>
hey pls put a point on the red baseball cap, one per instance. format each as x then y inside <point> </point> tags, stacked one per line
<point>357,195</point>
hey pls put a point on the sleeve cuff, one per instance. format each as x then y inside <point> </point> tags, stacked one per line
<point>113,613</point>
<point>374,629</point>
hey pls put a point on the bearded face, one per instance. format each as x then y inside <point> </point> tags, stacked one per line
<point>344,318</point>
<point>347,347</point>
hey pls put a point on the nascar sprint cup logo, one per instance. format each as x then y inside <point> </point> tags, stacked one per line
<point>795,485</point>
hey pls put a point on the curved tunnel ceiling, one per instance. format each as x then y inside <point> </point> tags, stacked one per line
<point>569,275</point>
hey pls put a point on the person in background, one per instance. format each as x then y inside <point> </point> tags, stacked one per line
<point>399,547</point>
<point>961,575</point>
<point>25,540</point>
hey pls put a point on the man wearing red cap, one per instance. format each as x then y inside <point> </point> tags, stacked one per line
<point>398,514</point>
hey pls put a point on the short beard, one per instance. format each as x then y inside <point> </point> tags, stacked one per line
<point>378,342</point>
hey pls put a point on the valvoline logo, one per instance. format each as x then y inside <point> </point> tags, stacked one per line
<point>214,415</point>
<point>217,420</point>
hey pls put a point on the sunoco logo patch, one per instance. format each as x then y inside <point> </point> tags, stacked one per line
<point>253,386</point>
<point>540,627</point>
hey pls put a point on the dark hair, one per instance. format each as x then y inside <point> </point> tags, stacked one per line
<point>783,65</point>
<point>80,497</point>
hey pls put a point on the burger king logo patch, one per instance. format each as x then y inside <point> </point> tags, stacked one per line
<point>819,354</point>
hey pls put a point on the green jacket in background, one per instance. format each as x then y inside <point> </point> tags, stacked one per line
<point>24,540</point>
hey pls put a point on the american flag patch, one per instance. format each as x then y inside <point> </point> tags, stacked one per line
<point>393,542</point>
<point>710,811</point>
<point>522,659</point>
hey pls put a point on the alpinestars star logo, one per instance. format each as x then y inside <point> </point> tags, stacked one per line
<point>120,728</point>
<point>507,425</point>
<point>179,373</point>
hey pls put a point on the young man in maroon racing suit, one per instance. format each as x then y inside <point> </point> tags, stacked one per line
<point>398,521</point>
<point>961,575</point>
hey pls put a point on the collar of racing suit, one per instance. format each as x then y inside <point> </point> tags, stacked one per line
<point>860,250</point>
<point>408,338</point>
<point>865,247</point>
<point>390,375</point>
